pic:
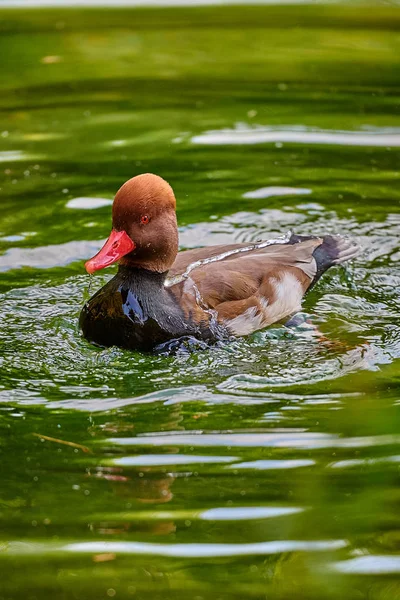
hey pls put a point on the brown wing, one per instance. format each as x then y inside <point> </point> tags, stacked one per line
<point>248,290</point>
<point>288,254</point>
<point>187,257</point>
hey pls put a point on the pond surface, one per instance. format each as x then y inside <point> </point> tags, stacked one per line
<point>266,468</point>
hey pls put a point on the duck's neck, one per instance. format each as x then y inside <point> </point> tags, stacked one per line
<point>143,283</point>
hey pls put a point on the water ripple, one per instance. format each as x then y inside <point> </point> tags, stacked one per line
<point>268,192</point>
<point>239,513</point>
<point>87,203</point>
<point>267,465</point>
<point>290,439</point>
<point>369,565</point>
<point>158,460</point>
<point>246,134</point>
<point>207,550</point>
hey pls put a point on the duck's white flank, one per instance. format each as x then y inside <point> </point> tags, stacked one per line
<point>287,300</point>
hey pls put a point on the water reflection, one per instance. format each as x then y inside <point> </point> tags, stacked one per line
<point>246,134</point>
<point>268,192</point>
<point>302,439</point>
<point>88,203</point>
<point>208,550</point>
<point>14,155</point>
<point>267,467</point>
<point>169,459</point>
<point>369,565</point>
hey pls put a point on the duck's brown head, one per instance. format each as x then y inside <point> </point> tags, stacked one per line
<point>144,229</point>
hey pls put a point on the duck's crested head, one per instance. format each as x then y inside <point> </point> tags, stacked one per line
<point>144,195</point>
<point>144,228</point>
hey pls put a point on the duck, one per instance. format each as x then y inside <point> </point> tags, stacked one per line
<point>160,295</point>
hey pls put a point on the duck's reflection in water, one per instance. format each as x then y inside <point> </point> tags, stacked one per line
<point>145,487</point>
<point>138,486</point>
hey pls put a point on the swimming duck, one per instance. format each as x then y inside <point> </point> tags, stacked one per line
<point>160,294</point>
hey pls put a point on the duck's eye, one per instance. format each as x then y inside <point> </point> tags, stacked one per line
<point>144,219</point>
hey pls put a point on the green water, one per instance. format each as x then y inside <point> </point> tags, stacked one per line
<point>265,469</point>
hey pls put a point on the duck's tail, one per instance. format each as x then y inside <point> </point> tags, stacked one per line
<point>334,250</point>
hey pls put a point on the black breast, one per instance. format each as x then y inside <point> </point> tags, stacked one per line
<point>135,311</point>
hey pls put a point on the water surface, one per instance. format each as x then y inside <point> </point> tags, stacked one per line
<point>264,468</point>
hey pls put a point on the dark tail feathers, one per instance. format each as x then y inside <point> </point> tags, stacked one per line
<point>334,250</point>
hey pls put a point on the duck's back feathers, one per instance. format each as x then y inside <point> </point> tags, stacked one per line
<point>250,289</point>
